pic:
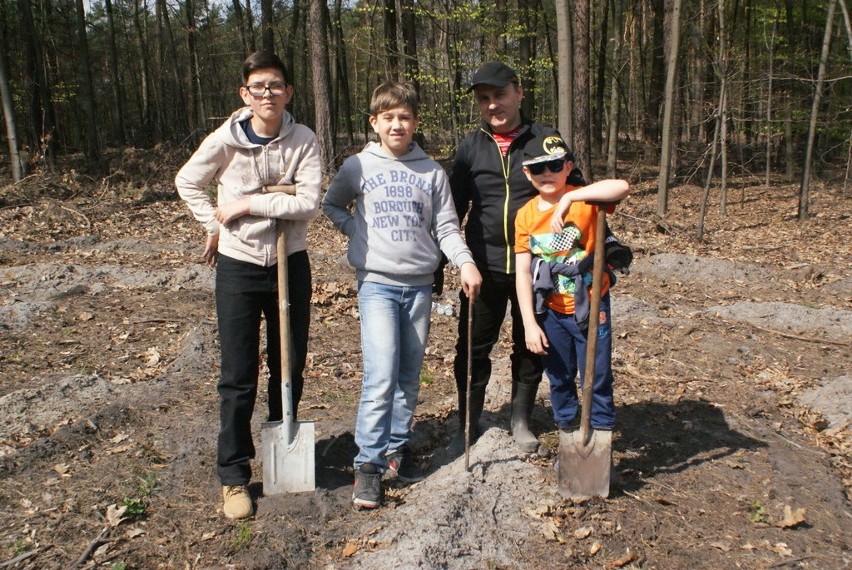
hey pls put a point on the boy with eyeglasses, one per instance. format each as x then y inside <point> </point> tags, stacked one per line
<point>258,145</point>
<point>554,247</point>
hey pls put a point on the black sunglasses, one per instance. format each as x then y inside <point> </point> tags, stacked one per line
<point>551,165</point>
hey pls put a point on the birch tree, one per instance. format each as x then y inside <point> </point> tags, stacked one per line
<point>9,114</point>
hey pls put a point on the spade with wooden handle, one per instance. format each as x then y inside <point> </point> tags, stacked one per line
<point>287,445</point>
<point>585,454</point>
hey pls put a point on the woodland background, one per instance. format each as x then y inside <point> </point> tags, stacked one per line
<point>702,87</point>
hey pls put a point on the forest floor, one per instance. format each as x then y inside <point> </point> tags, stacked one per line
<point>733,389</point>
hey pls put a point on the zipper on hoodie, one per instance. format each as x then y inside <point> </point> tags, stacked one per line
<point>505,164</point>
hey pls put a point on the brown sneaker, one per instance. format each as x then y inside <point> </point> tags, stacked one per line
<point>237,502</point>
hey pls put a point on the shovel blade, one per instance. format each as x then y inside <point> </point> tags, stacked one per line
<point>584,468</point>
<point>288,466</point>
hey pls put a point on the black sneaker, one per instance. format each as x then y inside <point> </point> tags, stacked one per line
<point>401,463</point>
<point>367,491</point>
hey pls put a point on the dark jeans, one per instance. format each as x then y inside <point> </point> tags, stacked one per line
<point>489,311</point>
<point>244,292</point>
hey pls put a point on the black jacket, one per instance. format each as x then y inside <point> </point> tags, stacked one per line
<point>490,189</point>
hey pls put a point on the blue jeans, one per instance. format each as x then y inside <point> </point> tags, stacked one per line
<point>566,355</point>
<point>394,331</point>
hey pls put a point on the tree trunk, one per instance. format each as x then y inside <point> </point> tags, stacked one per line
<point>197,114</point>
<point>145,78</point>
<point>409,40</point>
<point>597,124</point>
<point>392,69</point>
<point>565,68</point>
<point>267,40</point>
<point>317,26</point>
<point>526,55</point>
<point>116,78</point>
<point>668,113</point>
<point>769,129</point>
<point>241,24</point>
<point>250,25</point>
<point>9,113</point>
<point>36,76</point>
<point>180,116</point>
<point>87,88</point>
<point>809,148</point>
<point>703,210</point>
<point>615,92</point>
<point>651,127</point>
<point>582,126</point>
<point>723,109</point>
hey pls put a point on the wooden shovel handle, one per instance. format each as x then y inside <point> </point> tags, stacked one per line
<point>594,321</point>
<point>284,314</point>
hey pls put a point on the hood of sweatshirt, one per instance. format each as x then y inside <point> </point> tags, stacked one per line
<point>414,153</point>
<point>232,134</point>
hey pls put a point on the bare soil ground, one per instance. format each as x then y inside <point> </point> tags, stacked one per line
<point>733,389</point>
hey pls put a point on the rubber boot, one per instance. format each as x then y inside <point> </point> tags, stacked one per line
<point>477,403</point>
<point>523,398</point>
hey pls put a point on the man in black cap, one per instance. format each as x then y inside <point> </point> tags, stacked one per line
<point>489,186</point>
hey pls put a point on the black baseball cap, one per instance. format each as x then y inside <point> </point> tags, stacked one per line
<point>543,148</point>
<point>495,73</point>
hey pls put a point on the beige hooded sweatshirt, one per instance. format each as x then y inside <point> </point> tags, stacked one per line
<point>240,169</point>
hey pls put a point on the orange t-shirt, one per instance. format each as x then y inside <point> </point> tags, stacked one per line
<point>575,243</point>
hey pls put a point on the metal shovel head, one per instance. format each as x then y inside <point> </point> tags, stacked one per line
<point>584,467</point>
<point>288,462</point>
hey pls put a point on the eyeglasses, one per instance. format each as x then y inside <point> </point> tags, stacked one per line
<point>258,90</point>
<point>551,165</point>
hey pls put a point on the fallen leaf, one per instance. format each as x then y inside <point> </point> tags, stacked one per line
<point>583,532</point>
<point>85,316</point>
<point>61,468</point>
<point>550,530</point>
<point>119,449</point>
<point>119,438</point>
<point>152,356</point>
<point>134,532</point>
<point>792,517</point>
<point>350,548</point>
<point>782,549</point>
<point>723,546</point>
<point>624,560</point>
<point>540,511</point>
<point>115,514</point>
<point>595,548</point>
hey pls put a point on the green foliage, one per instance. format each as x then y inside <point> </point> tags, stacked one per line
<point>426,377</point>
<point>451,39</point>
<point>21,545</point>
<point>137,504</point>
<point>242,537</point>
<point>758,513</point>
<point>119,566</point>
<point>135,507</point>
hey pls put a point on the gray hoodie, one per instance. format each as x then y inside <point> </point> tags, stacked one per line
<point>241,169</point>
<point>403,216</point>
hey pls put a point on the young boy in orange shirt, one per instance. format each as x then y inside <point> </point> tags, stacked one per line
<point>554,247</point>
